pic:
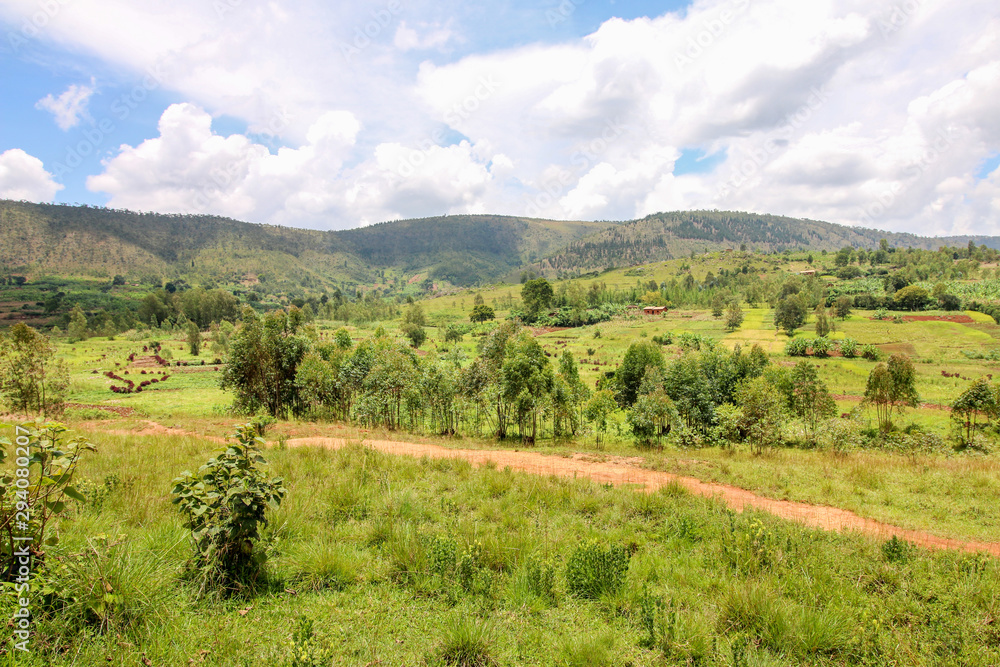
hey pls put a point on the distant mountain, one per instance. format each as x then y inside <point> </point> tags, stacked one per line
<point>667,235</point>
<point>38,239</point>
<point>464,249</point>
<point>84,240</point>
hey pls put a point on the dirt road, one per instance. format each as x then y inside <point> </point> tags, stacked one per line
<point>621,470</point>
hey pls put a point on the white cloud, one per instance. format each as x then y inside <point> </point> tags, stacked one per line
<point>832,109</point>
<point>23,176</point>
<point>69,107</point>
<point>429,37</point>
<point>189,168</point>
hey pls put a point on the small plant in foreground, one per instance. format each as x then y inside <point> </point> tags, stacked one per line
<point>305,650</point>
<point>224,506</point>
<point>896,550</point>
<point>593,569</point>
<point>466,643</point>
<point>46,464</point>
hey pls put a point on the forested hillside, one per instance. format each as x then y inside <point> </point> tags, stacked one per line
<point>667,235</point>
<point>44,239</point>
<point>85,240</point>
<point>465,249</point>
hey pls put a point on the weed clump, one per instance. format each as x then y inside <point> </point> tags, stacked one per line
<point>593,569</point>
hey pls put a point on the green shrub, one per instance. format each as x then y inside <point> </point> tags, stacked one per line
<point>881,314</point>
<point>796,347</point>
<point>871,353</point>
<point>593,569</point>
<point>895,550</point>
<point>224,506</point>
<point>821,346</point>
<point>50,461</point>
<point>540,577</point>
<point>849,348</point>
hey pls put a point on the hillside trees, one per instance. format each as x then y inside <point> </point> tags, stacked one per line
<point>810,399</point>
<point>761,413</point>
<point>527,381</point>
<point>537,295</point>
<point>481,313</point>
<point>31,379</point>
<point>77,325</point>
<point>568,396</point>
<point>734,316</point>
<point>639,358</point>
<point>891,386</point>
<point>977,402</point>
<point>264,354</point>
<point>789,314</point>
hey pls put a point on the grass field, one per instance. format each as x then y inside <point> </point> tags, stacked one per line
<point>420,561</point>
<point>406,561</point>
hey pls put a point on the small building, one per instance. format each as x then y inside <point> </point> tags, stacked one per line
<point>654,310</point>
<point>632,307</point>
<point>810,272</point>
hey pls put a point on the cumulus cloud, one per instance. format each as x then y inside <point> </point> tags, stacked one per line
<point>23,176</point>
<point>69,107</point>
<point>190,168</point>
<point>840,110</point>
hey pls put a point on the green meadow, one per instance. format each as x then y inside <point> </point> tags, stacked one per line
<point>376,559</point>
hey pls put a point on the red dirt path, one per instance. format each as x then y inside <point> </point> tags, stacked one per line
<point>622,470</point>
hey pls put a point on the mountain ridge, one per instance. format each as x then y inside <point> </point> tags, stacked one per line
<point>458,249</point>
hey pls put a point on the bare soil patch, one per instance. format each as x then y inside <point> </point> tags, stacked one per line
<point>119,410</point>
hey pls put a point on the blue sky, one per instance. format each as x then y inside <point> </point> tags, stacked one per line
<point>334,115</point>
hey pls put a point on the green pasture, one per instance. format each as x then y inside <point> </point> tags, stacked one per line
<point>400,560</point>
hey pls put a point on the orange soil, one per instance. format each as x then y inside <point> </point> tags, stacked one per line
<point>620,470</point>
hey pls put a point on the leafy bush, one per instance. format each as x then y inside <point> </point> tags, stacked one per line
<point>896,550</point>
<point>666,338</point>
<point>796,347</point>
<point>50,464</point>
<point>871,353</point>
<point>849,348</point>
<point>881,314</point>
<point>821,346</point>
<point>224,506</point>
<point>593,569</point>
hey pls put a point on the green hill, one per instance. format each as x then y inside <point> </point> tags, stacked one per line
<point>464,249</point>
<point>665,236</point>
<point>45,239</point>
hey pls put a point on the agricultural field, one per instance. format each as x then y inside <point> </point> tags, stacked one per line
<point>390,543</point>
